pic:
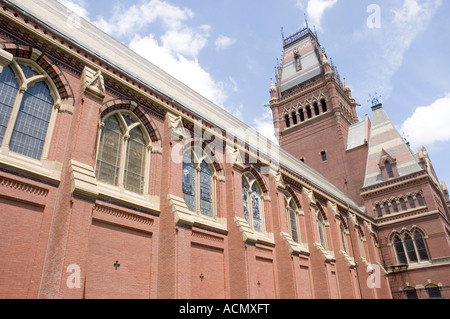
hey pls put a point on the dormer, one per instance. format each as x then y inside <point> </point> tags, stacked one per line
<point>388,166</point>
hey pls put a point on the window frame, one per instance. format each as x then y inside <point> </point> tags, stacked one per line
<point>250,184</point>
<point>24,84</point>
<point>288,201</point>
<point>124,138</point>
<point>198,160</point>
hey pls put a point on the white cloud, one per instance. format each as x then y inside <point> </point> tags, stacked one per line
<point>315,10</point>
<point>77,6</point>
<point>429,124</point>
<point>264,125</point>
<point>130,20</point>
<point>223,42</point>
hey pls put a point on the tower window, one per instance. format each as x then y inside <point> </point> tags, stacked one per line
<point>389,169</point>
<point>288,122</point>
<point>298,62</point>
<point>309,112</point>
<point>324,156</point>
<point>403,204</point>
<point>420,200</point>
<point>379,212</point>
<point>324,106</point>
<point>394,206</point>
<point>387,209</point>
<point>294,118</point>
<point>316,108</point>
<point>302,115</point>
<point>411,202</point>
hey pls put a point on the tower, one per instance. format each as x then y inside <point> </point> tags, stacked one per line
<point>315,114</point>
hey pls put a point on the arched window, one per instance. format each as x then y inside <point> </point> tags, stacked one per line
<point>387,208</point>
<point>411,293</point>
<point>294,118</point>
<point>410,249</point>
<point>379,212</point>
<point>434,292</point>
<point>302,115</point>
<point>253,204</point>
<point>344,237</point>
<point>123,153</point>
<point>420,245</point>
<point>321,228</point>
<point>403,204</point>
<point>389,170</point>
<point>316,108</point>
<point>411,202</point>
<point>394,206</point>
<point>291,213</point>
<point>400,250</point>
<point>420,200</point>
<point>309,112</point>
<point>287,120</point>
<point>26,114</point>
<point>198,184</point>
<point>324,106</point>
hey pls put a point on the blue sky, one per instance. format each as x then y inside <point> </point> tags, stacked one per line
<point>227,50</point>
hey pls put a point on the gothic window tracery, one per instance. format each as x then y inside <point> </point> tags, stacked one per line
<point>123,153</point>
<point>198,184</point>
<point>27,109</point>
<point>291,213</point>
<point>253,202</point>
<point>410,247</point>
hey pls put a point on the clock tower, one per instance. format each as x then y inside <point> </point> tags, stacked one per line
<point>315,114</point>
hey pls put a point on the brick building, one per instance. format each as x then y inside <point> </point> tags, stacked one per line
<point>118,181</point>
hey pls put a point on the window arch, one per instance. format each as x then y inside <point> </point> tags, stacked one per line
<point>294,118</point>
<point>434,292</point>
<point>253,202</point>
<point>379,211</point>
<point>411,202</point>
<point>410,247</point>
<point>321,228</point>
<point>389,169</point>
<point>123,153</point>
<point>292,218</point>
<point>199,183</point>
<point>287,120</point>
<point>324,106</point>
<point>28,100</point>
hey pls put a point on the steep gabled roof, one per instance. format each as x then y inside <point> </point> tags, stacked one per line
<point>385,140</point>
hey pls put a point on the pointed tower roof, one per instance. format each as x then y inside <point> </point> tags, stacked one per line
<point>385,141</point>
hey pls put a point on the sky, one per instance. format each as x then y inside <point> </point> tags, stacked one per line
<point>227,50</point>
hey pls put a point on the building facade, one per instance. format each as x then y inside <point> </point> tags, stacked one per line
<point>118,181</point>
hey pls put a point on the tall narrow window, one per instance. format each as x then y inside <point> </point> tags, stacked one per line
<point>411,202</point>
<point>294,118</point>
<point>389,170</point>
<point>31,109</point>
<point>198,184</point>
<point>324,106</point>
<point>316,108</point>
<point>403,204</point>
<point>291,212</point>
<point>309,112</point>
<point>298,62</point>
<point>321,227</point>
<point>387,209</point>
<point>344,237</point>
<point>252,200</point>
<point>410,249</point>
<point>420,200</point>
<point>394,206</point>
<point>379,211</point>
<point>287,120</point>
<point>302,115</point>
<point>421,248</point>
<point>400,250</point>
<point>123,153</point>
<point>324,156</point>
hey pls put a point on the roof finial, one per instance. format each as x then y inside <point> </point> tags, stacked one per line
<point>306,20</point>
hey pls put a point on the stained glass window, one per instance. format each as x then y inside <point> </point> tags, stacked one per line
<point>409,245</point>
<point>245,200</point>
<point>321,226</point>
<point>206,189</point>
<point>122,153</point>
<point>30,131</point>
<point>400,250</point>
<point>32,116</point>
<point>108,159</point>
<point>256,209</point>
<point>189,173</point>
<point>293,221</point>
<point>252,203</point>
<point>8,88</point>
<point>421,248</point>
<point>135,164</point>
